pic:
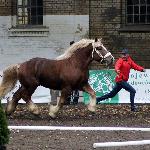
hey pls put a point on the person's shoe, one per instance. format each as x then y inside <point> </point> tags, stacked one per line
<point>74,103</point>
<point>98,99</point>
<point>134,109</point>
<point>66,103</point>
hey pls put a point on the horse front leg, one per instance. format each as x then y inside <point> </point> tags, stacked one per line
<point>53,110</point>
<point>92,105</point>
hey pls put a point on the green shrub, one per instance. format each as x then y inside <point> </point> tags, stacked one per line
<point>4,131</point>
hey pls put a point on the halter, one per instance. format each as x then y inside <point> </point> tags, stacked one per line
<point>99,54</point>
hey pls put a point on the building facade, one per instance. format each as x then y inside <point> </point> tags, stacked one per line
<point>123,24</point>
<point>40,28</point>
<point>44,28</point>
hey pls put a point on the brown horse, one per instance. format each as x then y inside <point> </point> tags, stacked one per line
<point>66,73</point>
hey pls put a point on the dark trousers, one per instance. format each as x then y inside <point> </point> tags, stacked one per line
<point>116,89</point>
<point>73,98</point>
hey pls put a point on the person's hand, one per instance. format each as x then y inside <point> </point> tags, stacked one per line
<point>144,70</point>
<point>118,71</point>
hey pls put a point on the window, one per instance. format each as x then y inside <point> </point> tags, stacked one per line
<point>28,19</point>
<point>138,12</point>
<point>29,12</point>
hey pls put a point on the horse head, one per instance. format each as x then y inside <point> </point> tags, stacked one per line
<point>100,53</point>
<point>92,47</point>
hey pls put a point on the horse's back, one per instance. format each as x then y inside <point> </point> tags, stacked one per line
<point>44,71</point>
<point>31,66</point>
<point>53,74</point>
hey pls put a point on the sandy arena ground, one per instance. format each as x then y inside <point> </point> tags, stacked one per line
<point>78,115</point>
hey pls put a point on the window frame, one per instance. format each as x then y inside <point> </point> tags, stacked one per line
<point>139,14</point>
<point>125,27</point>
<point>29,6</point>
<point>26,30</point>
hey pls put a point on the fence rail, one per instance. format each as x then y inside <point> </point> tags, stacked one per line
<point>78,128</point>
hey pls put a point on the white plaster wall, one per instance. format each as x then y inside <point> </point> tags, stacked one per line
<point>62,30</point>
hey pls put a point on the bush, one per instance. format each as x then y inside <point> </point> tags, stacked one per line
<point>4,131</point>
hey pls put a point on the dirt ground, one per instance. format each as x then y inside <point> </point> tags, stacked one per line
<point>78,115</point>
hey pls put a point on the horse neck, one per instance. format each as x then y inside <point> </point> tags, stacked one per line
<point>83,57</point>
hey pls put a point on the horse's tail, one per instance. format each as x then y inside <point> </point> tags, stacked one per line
<point>9,80</point>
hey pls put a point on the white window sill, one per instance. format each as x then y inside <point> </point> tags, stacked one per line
<point>29,32</point>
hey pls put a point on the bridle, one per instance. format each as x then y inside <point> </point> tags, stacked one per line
<point>95,45</point>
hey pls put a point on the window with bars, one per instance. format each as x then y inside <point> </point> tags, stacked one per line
<point>29,12</point>
<point>138,12</point>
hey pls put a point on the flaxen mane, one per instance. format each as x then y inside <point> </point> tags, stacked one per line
<point>68,53</point>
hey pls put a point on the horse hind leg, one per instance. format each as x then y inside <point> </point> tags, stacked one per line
<point>29,84</point>
<point>12,104</point>
<point>21,93</point>
<point>32,107</point>
<point>92,105</point>
<point>26,96</point>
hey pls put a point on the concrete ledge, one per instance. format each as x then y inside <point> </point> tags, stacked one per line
<point>135,28</point>
<point>32,32</point>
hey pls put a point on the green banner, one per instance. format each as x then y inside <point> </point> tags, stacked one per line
<point>102,82</point>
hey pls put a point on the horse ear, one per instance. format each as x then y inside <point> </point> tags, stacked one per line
<point>96,39</point>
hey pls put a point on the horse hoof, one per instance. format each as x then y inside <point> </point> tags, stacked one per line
<point>36,112</point>
<point>92,108</point>
<point>8,113</point>
<point>33,108</point>
<point>11,106</point>
<point>52,115</point>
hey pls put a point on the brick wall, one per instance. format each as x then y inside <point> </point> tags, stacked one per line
<point>51,7</point>
<point>65,20</point>
<point>5,7</point>
<point>106,21</point>
<point>66,7</point>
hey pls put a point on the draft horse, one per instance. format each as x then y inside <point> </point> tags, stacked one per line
<point>66,73</point>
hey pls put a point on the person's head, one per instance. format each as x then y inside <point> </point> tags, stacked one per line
<point>124,53</point>
<point>72,42</point>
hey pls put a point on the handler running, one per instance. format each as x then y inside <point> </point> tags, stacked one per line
<point>122,68</point>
